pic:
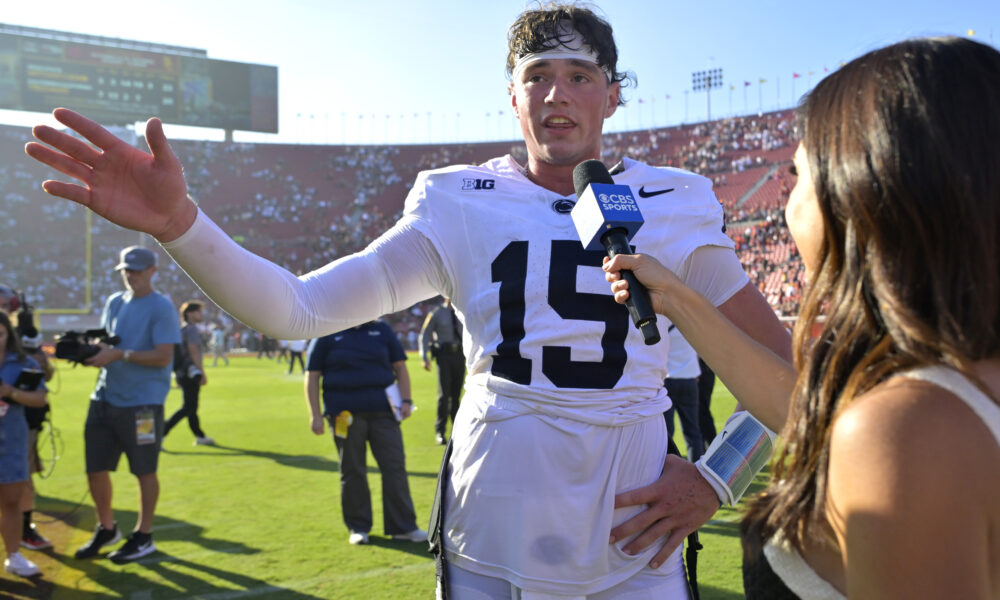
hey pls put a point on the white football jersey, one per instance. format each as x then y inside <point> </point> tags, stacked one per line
<point>541,325</point>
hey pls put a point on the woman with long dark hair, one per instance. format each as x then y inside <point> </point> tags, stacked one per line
<point>14,443</point>
<point>887,481</point>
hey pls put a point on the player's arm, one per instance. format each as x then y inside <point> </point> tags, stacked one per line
<point>397,270</point>
<point>764,347</point>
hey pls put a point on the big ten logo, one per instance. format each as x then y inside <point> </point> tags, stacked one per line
<point>478,184</point>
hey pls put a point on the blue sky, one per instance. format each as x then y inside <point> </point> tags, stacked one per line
<point>340,63</point>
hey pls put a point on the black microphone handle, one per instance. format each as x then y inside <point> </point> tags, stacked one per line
<point>638,303</point>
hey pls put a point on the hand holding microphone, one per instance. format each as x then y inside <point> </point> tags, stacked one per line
<point>606,215</point>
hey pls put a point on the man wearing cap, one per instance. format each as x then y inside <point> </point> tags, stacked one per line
<point>126,408</point>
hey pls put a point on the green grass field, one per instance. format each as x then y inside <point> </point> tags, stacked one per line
<point>258,515</point>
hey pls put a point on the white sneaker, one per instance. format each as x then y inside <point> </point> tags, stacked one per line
<point>417,535</point>
<point>18,565</point>
<point>357,538</point>
<point>204,441</point>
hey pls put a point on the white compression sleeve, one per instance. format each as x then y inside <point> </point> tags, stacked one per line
<point>395,271</point>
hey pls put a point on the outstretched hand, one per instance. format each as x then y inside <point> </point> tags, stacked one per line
<point>129,187</point>
<point>677,503</point>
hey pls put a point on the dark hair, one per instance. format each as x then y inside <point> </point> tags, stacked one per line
<point>189,307</point>
<point>902,149</point>
<point>13,338</point>
<point>537,30</point>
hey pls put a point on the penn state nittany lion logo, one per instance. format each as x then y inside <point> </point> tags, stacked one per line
<point>563,206</point>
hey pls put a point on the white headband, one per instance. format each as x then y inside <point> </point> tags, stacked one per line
<point>573,48</point>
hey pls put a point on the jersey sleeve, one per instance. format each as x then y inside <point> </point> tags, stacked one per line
<point>684,217</point>
<point>714,272</point>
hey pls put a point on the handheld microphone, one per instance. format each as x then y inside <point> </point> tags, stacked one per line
<point>606,216</point>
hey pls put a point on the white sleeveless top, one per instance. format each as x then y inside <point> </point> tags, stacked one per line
<point>789,565</point>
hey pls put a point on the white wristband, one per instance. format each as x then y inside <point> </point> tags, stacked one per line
<point>736,456</point>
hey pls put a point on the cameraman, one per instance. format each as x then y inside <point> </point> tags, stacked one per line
<point>190,372</point>
<point>126,408</point>
<point>15,304</point>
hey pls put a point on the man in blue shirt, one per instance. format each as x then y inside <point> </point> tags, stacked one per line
<point>126,408</point>
<point>354,367</point>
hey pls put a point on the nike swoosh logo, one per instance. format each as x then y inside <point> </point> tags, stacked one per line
<point>644,194</point>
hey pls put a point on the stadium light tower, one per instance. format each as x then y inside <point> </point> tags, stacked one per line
<point>707,80</point>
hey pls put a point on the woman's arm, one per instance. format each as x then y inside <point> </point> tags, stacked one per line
<point>34,398</point>
<point>761,379</point>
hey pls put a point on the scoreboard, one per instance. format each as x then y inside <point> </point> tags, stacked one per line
<point>120,84</point>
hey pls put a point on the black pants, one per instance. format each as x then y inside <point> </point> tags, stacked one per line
<point>191,387</point>
<point>451,374</point>
<point>292,357</point>
<point>684,394</point>
<point>380,430</point>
